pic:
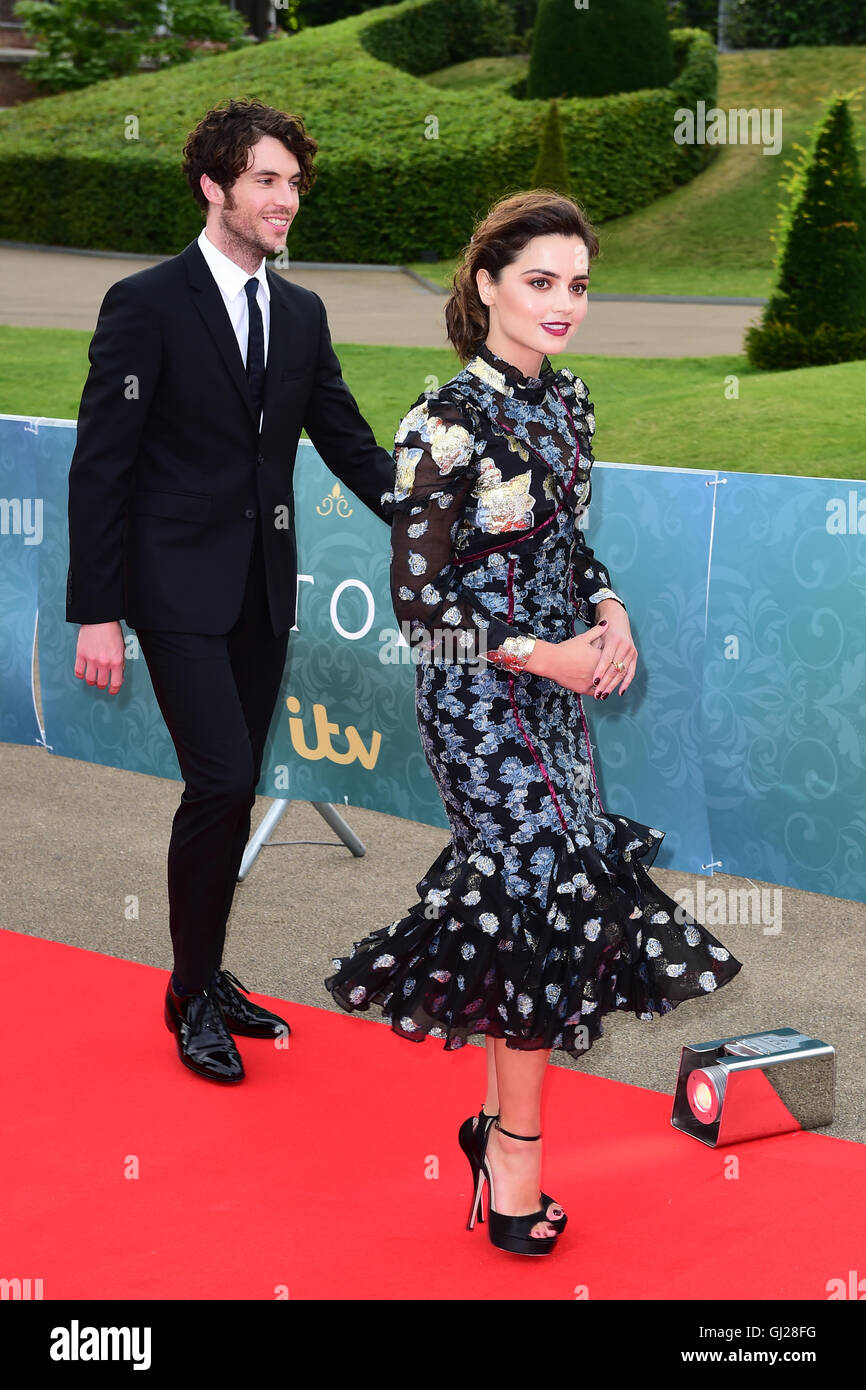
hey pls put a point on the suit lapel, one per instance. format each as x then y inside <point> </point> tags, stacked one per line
<point>209,303</point>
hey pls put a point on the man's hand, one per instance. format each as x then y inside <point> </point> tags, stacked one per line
<point>99,656</point>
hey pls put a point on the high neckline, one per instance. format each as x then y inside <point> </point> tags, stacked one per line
<point>508,379</point>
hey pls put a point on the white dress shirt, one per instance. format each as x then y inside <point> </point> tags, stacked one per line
<point>231,279</point>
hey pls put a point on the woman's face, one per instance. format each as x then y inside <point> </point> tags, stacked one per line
<point>539,300</point>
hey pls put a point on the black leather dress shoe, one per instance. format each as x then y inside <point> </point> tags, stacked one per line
<point>242,1015</point>
<point>204,1043</point>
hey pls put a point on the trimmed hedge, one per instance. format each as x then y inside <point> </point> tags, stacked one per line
<point>698,14</point>
<point>452,31</point>
<point>615,46</point>
<point>817,311</point>
<point>551,167</point>
<point>779,347</point>
<point>404,169</point>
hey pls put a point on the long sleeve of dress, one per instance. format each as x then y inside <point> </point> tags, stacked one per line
<point>434,476</point>
<point>591,582</point>
<point>590,579</point>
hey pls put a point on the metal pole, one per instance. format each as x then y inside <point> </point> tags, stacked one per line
<point>331,815</point>
<point>725,7</point>
<point>271,818</point>
<point>261,838</point>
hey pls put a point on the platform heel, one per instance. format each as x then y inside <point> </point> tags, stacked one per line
<point>510,1233</point>
<point>469,1140</point>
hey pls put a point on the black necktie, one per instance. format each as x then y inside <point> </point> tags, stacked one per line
<point>255,347</point>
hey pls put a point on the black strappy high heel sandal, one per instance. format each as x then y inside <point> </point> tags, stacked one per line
<point>469,1138</point>
<point>511,1233</point>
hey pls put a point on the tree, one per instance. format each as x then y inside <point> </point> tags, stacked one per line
<point>84,41</point>
<point>817,312</point>
<point>551,167</point>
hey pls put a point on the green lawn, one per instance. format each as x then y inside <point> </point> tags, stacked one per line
<point>479,72</point>
<point>712,235</point>
<point>648,410</point>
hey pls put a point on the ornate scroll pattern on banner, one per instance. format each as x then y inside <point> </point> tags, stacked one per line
<point>785,683</point>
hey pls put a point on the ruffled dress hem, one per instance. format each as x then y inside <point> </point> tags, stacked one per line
<point>469,958</point>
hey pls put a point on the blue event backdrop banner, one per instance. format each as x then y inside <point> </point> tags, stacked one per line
<point>741,736</point>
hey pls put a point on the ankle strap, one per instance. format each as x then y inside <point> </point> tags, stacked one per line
<point>514,1136</point>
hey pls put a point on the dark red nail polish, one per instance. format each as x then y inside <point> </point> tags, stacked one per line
<point>605,695</point>
<point>596,680</point>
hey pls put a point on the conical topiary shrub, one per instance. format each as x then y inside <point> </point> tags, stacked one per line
<point>601,47</point>
<point>817,312</point>
<point>551,167</point>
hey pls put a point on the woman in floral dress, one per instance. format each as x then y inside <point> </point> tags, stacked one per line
<point>539,917</point>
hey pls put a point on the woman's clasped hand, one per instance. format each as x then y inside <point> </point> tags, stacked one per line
<point>576,665</point>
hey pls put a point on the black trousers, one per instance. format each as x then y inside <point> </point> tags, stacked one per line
<point>217,696</point>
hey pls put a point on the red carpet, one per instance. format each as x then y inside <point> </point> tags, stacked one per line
<point>310,1174</point>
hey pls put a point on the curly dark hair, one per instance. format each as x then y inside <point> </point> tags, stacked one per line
<point>221,142</point>
<point>496,242</point>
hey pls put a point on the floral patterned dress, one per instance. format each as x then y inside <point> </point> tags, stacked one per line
<point>539,917</point>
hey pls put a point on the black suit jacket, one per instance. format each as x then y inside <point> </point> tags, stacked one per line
<point>170,471</point>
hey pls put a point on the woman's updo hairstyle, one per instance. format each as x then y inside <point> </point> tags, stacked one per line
<point>497,242</point>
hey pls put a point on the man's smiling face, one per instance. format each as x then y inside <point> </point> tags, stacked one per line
<point>256,212</point>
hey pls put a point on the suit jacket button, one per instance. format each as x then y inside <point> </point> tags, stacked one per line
<point>261,458</point>
<point>249,514</point>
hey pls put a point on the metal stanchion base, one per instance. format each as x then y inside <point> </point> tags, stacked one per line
<point>261,839</point>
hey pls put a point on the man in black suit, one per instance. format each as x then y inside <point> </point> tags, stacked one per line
<point>204,369</point>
